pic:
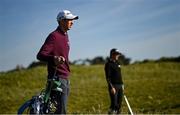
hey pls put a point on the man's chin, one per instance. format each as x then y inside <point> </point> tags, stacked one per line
<point>69,28</point>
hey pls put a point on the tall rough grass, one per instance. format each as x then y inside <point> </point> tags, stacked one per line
<point>150,88</point>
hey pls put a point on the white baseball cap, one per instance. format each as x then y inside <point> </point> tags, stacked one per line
<point>66,14</point>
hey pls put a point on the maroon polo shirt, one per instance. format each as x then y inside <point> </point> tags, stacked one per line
<point>56,44</point>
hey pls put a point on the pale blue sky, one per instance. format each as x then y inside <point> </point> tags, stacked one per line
<point>140,29</point>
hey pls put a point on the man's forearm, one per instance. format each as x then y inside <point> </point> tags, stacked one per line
<point>45,57</point>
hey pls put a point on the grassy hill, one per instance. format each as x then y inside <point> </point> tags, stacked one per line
<point>150,88</point>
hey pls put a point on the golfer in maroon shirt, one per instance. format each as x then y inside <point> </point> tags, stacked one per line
<point>55,51</point>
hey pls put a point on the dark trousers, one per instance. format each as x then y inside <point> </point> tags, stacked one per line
<point>116,99</point>
<point>62,97</point>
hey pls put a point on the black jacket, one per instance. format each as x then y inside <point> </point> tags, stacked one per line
<point>113,72</point>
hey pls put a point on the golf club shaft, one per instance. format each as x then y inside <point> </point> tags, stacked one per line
<point>128,105</point>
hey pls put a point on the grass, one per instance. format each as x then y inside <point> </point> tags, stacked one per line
<point>150,88</point>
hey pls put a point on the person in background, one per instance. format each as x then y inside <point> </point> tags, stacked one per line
<point>114,81</point>
<point>55,51</point>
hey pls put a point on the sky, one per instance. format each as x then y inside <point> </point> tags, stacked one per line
<point>140,29</point>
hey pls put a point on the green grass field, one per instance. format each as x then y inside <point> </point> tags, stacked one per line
<point>150,88</point>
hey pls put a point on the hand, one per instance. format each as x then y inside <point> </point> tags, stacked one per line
<point>113,90</point>
<point>59,60</point>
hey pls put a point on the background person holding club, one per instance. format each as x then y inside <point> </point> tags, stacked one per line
<point>114,81</point>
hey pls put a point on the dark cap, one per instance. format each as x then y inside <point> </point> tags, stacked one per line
<point>114,51</point>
